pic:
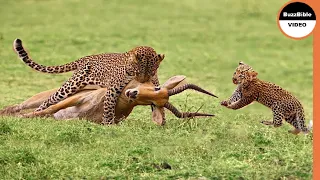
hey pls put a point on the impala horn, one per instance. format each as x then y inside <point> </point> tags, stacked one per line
<point>179,114</point>
<point>188,86</point>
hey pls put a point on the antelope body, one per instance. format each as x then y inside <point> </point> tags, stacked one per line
<point>88,103</point>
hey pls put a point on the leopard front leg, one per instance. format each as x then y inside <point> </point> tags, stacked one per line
<point>110,102</point>
<point>74,84</point>
<point>244,101</point>
<point>267,123</point>
<point>277,118</point>
<point>109,107</point>
<point>236,95</point>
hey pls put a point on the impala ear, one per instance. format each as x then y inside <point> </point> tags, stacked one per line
<point>173,81</point>
<point>158,116</point>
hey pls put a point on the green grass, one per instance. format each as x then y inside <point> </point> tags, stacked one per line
<point>203,40</point>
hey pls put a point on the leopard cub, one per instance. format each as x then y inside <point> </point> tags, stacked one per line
<point>282,103</point>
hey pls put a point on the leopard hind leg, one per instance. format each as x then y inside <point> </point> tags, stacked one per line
<point>291,119</point>
<point>277,118</point>
<point>78,81</point>
<point>297,120</point>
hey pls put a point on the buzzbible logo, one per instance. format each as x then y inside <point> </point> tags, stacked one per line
<point>297,20</point>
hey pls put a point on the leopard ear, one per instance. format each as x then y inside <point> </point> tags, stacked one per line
<point>134,57</point>
<point>253,75</point>
<point>161,57</point>
<point>241,63</point>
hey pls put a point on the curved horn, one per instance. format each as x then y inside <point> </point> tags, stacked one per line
<point>188,86</point>
<point>179,114</point>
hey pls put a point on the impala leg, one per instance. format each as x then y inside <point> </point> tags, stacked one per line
<point>31,103</point>
<point>71,101</point>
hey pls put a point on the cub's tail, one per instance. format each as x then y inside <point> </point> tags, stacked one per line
<point>310,125</point>
<point>23,55</point>
<point>308,128</point>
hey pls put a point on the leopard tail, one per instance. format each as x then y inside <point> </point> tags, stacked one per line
<point>23,55</point>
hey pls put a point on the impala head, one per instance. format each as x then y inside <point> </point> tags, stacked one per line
<point>243,73</point>
<point>147,94</point>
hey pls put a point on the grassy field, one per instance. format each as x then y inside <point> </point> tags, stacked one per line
<point>203,40</point>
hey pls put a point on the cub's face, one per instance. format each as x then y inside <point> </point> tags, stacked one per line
<point>243,73</point>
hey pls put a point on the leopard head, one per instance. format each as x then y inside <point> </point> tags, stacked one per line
<point>147,62</point>
<point>243,74</point>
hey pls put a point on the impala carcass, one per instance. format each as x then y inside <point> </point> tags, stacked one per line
<point>88,103</point>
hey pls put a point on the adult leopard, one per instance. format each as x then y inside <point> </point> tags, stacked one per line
<point>109,70</point>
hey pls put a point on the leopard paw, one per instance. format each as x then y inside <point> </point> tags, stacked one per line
<point>268,123</point>
<point>224,103</point>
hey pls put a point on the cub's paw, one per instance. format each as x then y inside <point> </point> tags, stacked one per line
<point>224,103</point>
<point>294,131</point>
<point>268,123</point>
